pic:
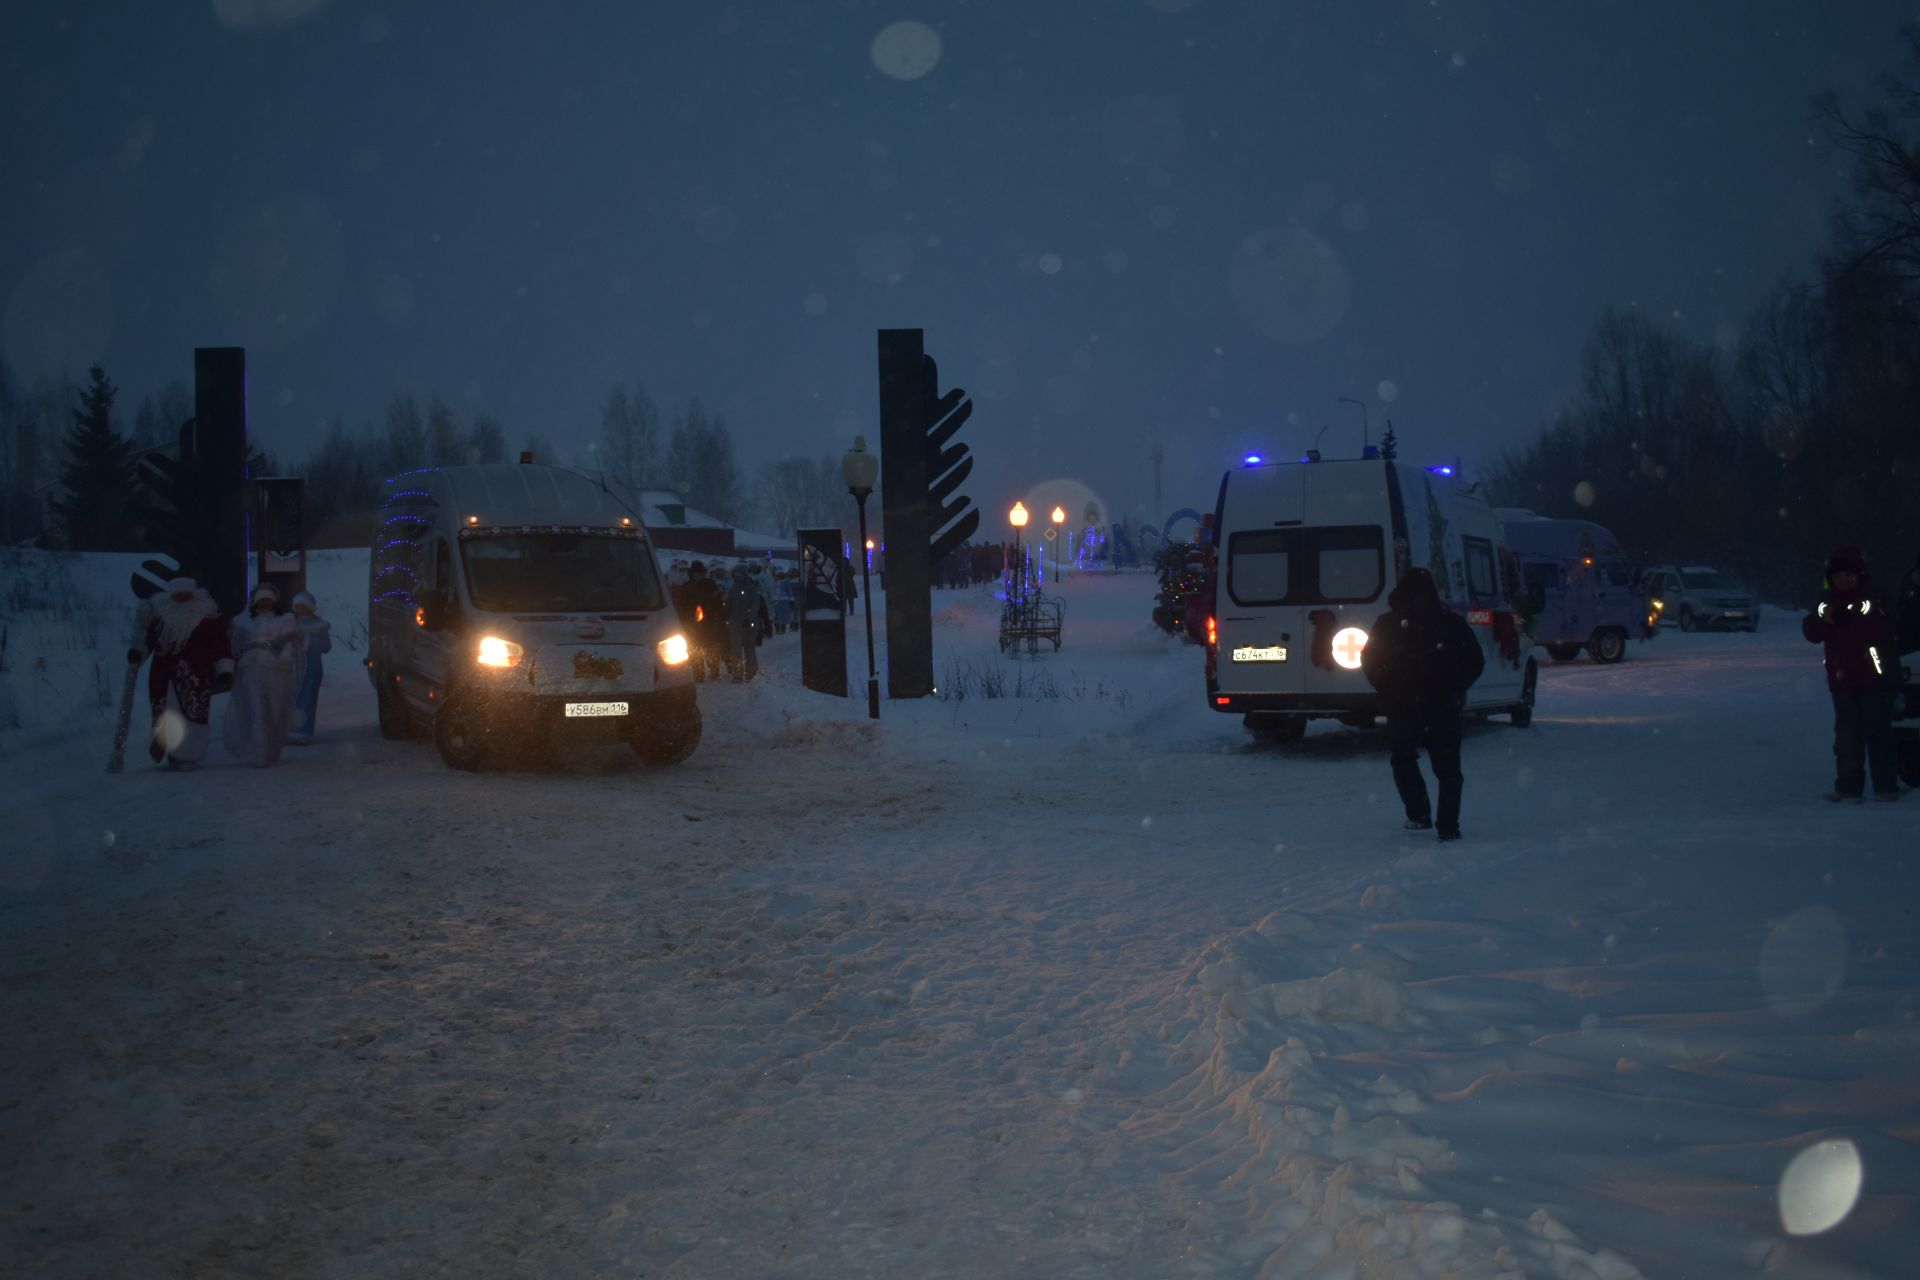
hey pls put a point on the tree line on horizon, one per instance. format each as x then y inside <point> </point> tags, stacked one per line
<point>1801,437</point>
<point>69,461</point>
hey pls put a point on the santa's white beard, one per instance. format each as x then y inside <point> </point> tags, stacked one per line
<point>178,618</point>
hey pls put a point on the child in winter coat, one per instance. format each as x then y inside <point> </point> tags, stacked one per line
<point>318,634</point>
<point>1862,667</point>
<point>267,646</point>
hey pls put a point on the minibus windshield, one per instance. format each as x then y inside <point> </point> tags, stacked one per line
<point>561,573</point>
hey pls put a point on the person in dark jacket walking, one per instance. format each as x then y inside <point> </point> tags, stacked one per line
<point>1422,658</point>
<point>1858,634</point>
<point>703,611</point>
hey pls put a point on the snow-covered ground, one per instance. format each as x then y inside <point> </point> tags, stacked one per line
<point>1083,982</point>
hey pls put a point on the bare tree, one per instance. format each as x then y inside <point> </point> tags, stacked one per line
<point>12,426</point>
<point>158,418</point>
<point>795,493</point>
<point>629,444</point>
<point>338,479</point>
<point>405,445</point>
<point>700,456</point>
<point>1881,226</point>
<point>486,440</point>
<point>446,442</point>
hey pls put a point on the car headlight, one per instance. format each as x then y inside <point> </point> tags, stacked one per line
<point>496,652</point>
<point>673,650</point>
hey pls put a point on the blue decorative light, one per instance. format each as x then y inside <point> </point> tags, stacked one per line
<point>1441,471</point>
<point>1253,459</point>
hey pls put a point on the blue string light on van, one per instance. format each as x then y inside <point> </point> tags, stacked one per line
<point>1441,470</point>
<point>1253,459</point>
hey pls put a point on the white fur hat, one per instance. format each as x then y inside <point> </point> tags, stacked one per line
<point>266,589</point>
<point>305,598</point>
<point>181,586</point>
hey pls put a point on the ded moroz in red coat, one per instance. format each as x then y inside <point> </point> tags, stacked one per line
<point>188,640</point>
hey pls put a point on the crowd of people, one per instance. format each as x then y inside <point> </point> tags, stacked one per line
<point>972,564</point>
<point>730,613</point>
<point>271,663</point>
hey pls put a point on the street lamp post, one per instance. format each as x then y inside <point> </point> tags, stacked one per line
<point>1366,425</point>
<point>860,469</point>
<point>1059,528</point>
<point>1018,519</point>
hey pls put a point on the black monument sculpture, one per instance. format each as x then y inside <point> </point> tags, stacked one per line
<point>924,515</point>
<point>196,520</point>
<point>823,612</point>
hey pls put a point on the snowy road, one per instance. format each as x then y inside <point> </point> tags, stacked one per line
<point>1088,985</point>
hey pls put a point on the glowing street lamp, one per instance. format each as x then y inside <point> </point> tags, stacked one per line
<point>1018,519</point>
<point>860,469</point>
<point>1059,521</point>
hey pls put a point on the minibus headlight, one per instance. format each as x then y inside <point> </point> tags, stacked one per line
<point>495,652</point>
<point>673,650</point>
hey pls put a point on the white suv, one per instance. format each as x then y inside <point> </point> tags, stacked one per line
<point>1697,596</point>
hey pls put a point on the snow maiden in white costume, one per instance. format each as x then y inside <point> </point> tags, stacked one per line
<point>271,652</point>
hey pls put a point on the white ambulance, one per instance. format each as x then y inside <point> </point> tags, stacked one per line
<point>1306,553</point>
<point>510,606</point>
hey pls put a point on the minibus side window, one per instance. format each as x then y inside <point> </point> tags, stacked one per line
<point>1352,566</point>
<point>1481,586</point>
<point>1337,564</point>
<point>1260,565</point>
<point>1541,576</point>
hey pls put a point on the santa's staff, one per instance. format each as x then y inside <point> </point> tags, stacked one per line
<point>116,759</point>
<point>192,661</point>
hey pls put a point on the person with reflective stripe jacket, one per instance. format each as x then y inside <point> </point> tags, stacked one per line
<point>1862,667</point>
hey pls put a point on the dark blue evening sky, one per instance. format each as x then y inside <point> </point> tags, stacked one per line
<point>1118,220</point>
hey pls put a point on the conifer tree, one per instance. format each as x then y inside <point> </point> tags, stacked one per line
<point>97,508</point>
